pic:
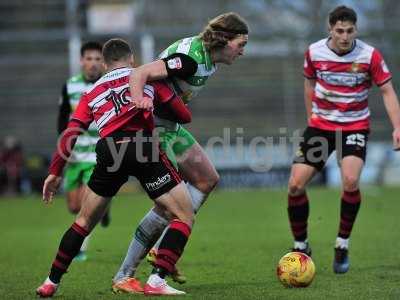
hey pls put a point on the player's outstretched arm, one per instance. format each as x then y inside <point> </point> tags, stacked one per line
<point>175,65</point>
<point>138,78</point>
<point>393,109</point>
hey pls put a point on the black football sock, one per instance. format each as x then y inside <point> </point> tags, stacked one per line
<point>69,247</point>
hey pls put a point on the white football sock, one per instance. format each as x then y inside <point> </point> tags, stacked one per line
<point>157,244</point>
<point>197,196</point>
<point>300,245</point>
<point>48,281</point>
<point>342,243</point>
<point>147,232</point>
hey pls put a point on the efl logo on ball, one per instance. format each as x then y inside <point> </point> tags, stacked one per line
<point>296,269</point>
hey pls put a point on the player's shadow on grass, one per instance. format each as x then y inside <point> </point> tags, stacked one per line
<point>234,285</point>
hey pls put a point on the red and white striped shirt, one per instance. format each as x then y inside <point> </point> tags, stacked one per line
<point>109,104</point>
<point>340,98</point>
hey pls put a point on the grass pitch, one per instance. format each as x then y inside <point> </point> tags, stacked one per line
<point>237,241</point>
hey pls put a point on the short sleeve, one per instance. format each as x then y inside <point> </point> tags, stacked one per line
<point>180,65</point>
<point>379,71</point>
<point>309,71</point>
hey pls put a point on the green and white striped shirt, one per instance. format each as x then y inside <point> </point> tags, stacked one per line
<point>84,149</point>
<point>193,47</point>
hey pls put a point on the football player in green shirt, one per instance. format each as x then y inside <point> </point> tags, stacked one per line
<point>186,64</point>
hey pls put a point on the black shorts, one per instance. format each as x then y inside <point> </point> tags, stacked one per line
<point>317,145</point>
<point>123,155</point>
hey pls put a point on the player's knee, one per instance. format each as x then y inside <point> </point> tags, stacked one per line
<point>350,182</point>
<point>213,181</point>
<point>167,215</point>
<point>73,203</point>
<point>74,207</point>
<point>206,185</point>
<point>159,210</point>
<point>295,186</point>
<point>88,218</point>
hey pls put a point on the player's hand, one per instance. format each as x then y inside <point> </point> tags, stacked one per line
<point>50,187</point>
<point>396,139</point>
<point>144,103</point>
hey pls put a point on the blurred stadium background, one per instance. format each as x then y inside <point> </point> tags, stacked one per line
<point>240,235</point>
<point>259,96</point>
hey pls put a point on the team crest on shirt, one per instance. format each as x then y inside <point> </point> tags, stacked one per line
<point>186,96</point>
<point>324,67</point>
<point>299,153</point>
<point>355,67</point>
<point>175,63</point>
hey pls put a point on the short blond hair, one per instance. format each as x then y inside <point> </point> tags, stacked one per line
<point>222,29</point>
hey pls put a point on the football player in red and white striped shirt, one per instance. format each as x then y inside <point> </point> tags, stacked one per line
<point>126,148</point>
<point>339,72</point>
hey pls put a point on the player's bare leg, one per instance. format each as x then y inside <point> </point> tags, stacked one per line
<point>350,167</point>
<point>74,200</point>
<point>93,208</point>
<point>298,207</point>
<point>197,169</point>
<point>177,204</point>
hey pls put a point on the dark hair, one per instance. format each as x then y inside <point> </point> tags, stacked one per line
<point>342,13</point>
<point>222,29</point>
<point>90,46</point>
<point>116,50</point>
